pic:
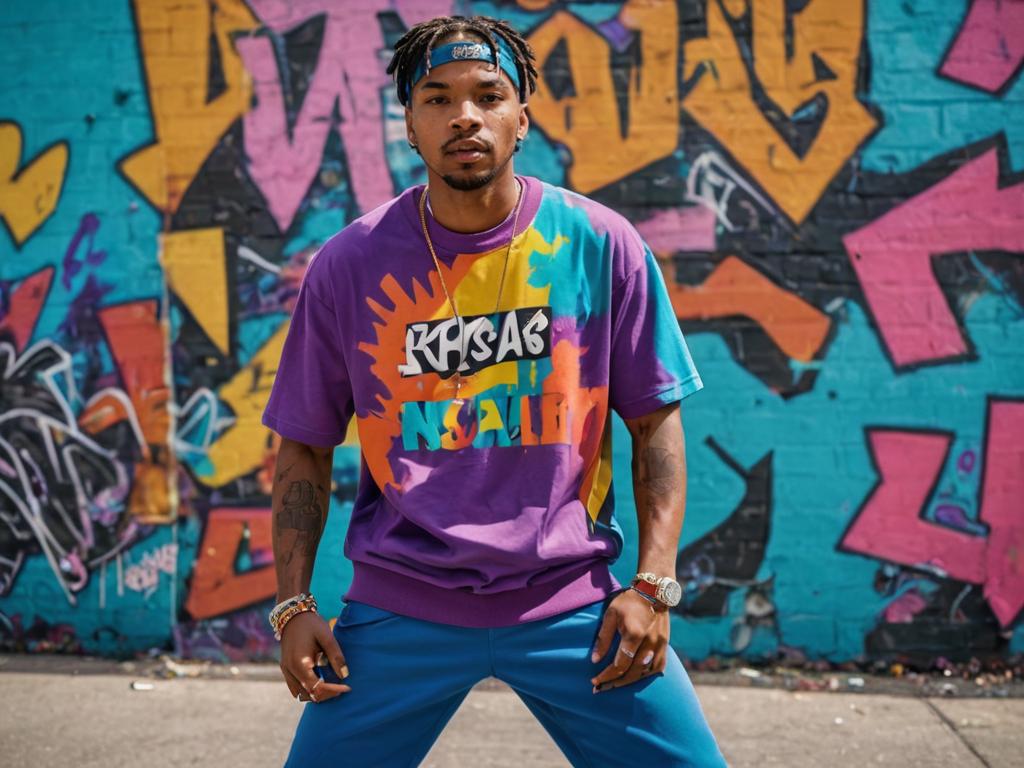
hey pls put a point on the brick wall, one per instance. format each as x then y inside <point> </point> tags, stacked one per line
<point>834,192</point>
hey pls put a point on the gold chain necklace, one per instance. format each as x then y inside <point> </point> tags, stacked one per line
<point>451,301</point>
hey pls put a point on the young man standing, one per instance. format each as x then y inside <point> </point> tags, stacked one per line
<point>479,328</point>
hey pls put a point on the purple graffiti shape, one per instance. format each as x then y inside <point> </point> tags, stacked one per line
<point>349,74</point>
<point>989,48</point>
<point>967,461</point>
<point>72,264</point>
<point>892,256</point>
<point>953,516</point>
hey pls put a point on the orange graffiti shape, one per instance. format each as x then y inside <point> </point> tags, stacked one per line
<point>735,288</point>
<point>139,344</point>
<point>378,431</point>
<point>217,587</point>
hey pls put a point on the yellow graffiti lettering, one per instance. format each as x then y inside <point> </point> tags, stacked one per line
<point>174,37</point>
<point>242,448</point>
<point>28,196</point>
<point>193,261</point>
<point>821,65</point>
<point>588,120</point>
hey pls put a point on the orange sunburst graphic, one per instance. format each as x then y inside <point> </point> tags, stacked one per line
<point>378,430</point>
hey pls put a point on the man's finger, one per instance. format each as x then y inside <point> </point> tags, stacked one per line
<point>635,671</point>
<point>319,689</point>
<point>659,663</point>
<point>629,678</point>
<point>623,660</point>
<point>604,637</point>
<point>333,652</point>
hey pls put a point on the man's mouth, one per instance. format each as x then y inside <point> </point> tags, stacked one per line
<point>466,151</point>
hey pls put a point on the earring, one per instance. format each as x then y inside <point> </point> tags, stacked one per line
<point>414,147</point>
<point>519,144</point>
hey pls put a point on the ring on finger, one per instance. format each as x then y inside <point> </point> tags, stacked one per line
<point>628,652</point>
<point>318,681</point>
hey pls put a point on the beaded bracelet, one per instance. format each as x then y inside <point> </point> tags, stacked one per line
<point>281,607</point>
<point>286,610</point>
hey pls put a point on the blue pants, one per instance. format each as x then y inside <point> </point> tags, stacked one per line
<point>408,677</point>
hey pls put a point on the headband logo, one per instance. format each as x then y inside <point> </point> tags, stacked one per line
<point>473,51</point>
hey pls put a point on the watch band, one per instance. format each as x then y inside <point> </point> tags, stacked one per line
<point>650,593</point>
<point>664,589</point>
<point>655,604</point>
<point>645,588</point>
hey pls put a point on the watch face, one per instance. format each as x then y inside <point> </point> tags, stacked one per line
<point>671,592</point>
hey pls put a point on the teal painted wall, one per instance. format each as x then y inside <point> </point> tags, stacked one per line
<point>833,192</point>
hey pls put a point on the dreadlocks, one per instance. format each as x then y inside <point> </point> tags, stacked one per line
<point>418,42</point>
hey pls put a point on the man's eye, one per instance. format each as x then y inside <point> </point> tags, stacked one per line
<point>490,98</point>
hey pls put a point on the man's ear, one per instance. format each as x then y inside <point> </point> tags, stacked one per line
<point>409,132</point>
<point>524,122</point>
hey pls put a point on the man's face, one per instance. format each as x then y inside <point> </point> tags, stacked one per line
<point>465,117</point>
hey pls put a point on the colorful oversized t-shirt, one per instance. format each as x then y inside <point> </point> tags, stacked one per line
<point>498,509</point>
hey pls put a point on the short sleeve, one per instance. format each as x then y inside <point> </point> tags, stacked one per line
<point>311,399</point>
<point>650,363</point>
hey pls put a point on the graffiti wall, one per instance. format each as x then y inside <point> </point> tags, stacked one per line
<point>833,189</point>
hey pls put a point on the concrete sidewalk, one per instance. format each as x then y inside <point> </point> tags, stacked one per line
<point>56,714</point>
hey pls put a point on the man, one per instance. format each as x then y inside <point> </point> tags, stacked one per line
<point>479,328</point>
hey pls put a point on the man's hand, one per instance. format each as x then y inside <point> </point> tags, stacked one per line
<point>643,642</point>
<point>303,639</point>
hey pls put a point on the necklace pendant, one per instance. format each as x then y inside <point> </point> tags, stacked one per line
<point>458,385</point>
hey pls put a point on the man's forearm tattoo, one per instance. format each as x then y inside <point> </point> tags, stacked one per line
<point>302,513</point>
<point>658,470</point>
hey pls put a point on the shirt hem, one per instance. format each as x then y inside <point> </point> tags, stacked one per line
<point>671,394</point>
<point>418,599</point>
<point>300,434</point>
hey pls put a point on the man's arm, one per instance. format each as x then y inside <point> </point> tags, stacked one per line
<point>300,502</point>
<point>300,494</point>
<point>659,487</point>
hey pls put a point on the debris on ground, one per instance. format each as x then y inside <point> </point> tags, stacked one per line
<point>792,670</point>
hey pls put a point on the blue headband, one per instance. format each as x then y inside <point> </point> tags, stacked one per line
<point>466,50</point>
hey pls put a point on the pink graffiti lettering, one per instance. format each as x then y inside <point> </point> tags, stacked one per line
<point>26,303</point>
<point>144,576</point>
<point>680,229</point>
<point>349,74</point>
<point>892,256</point>
<point>889,526</point>
<point>1001,508</point>
<point>903,609</point>
<point>989,49</point>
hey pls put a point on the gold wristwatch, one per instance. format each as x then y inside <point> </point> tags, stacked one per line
<point>664,589</point>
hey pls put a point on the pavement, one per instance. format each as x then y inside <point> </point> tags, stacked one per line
<point>61,711</point>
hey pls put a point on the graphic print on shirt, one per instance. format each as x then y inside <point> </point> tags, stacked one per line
<point>481,341</point>
<point>521,380</point>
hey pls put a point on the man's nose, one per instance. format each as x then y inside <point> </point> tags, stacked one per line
<point>467,117</point>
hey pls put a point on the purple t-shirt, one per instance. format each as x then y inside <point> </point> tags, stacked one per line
<point>499,509</point>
